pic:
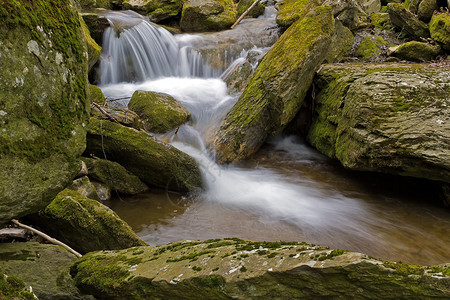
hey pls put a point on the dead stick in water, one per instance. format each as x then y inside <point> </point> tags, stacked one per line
<point>244,14</point>
<point>48,238</point>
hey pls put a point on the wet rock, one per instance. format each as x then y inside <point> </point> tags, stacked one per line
<point>388,118</point>
<point>404,20</point>
<point>94,50</point>
<point>84,224</point>
<point>207,15</point>
<point>274,93</point>
<point>103,191</point>
<point>370,48</point>
<point>114,176</point>
<point>97,24</point>
<point>155,163</point>
<point>157,10</point>
<point>417,51</point>
<point>43,103</point>
<point>160,112</point>
<point>440,29</point>
<point>426,10</point>
<point>237,269</point>
<point>237,76</point>
<point>84,187</point>
<point>43,267</point>
<point>90,4</point>
<point>124,116</point>
<point>256,11</point>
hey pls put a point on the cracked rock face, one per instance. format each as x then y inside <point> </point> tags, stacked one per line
<point>237,269</point>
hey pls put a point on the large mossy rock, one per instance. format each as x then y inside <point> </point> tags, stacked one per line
<point>389,118</point>
<point>207,15</point>
<point>97,24</point>
<point>43,103</point>
<point>155,163</point>
<point>90,4</point>
<point>12,287</point>
<point>371,48</point>
<point>160,112</point>
<point>255,12</point>
<point>440,29</point>
<point>94,50</point>
<point>407,22</point>
<point>84,187</point>
<point>43,267</point>
<point>84,224</point>
<point>426,10</point>
<point>237,269</point>
<point>275,93</point>
<point>417,51</point>
<point>114,176</point>
<point>157,10</point>
<point>291,10</point>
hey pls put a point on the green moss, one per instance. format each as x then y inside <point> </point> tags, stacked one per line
<point>12,288</point>
<point>380,21</point>
<point>370,48</point>
<point>207,15</point>
<point>440,29</point>
<point>243,5</point>
<point>292,10</point>
<point>191,256</point>
<point>404,269</point>
<point>331,255</point>
<point>417,51</point>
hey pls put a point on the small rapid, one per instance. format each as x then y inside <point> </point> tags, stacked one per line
<point>287,191</point>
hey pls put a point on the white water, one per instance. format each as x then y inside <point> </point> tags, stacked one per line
<point>268,197</point>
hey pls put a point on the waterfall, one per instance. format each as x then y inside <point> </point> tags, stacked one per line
<point>135,50</point>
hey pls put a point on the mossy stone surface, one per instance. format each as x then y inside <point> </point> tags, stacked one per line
<point>122,115</point>
<point>237,269</point>
<point>114,176</point>
<point>84,187</point>
<point>43,267</point>
<point>90,4</point>
<point>380,21</point>
<point>157,10</point>
<point>43,103</point>
<point>207,15</point>
<point>292,10</point>
<point>84,224</point>
<point>417,51</point>
<point>388,118</point>
<point>160,112</point>
<point>155,163</point>
<point>407,22</point>
<point>12,287</point>
<point>94,50</point>
<point>274,93</point>
<point>95,94</point>
<point>370,48</point>
<point>426,10</point>
<point>440,29</point>
<point>256,11</point>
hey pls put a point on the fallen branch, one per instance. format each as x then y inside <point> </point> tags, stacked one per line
<point>48,238</point>
<point>244,14</point>
<point>105,113</point>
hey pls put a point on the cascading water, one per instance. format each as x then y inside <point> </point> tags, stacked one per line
<point>288,191</point>
<point>137,50</point>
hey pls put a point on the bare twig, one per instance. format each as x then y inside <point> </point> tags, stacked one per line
<point>105,113</point>
<point>244,14</point>
<point>48,238</point>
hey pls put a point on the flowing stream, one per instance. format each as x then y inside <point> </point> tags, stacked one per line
<point>288,191</point>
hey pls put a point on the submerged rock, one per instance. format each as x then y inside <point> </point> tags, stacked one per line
<point>160,112</point>
<point>43,103</point>
<point>440,29</point>
<point>417,51</point>
<point>275,93</point>
<point>157,10</point>
<point>43,267</point>
<point>84,224</point>
<point>404,20</point>
<point>207,15</point>
<point>155,163</point>
<point>114,176</point>
<point>389,118</point>
<point>237,269</point>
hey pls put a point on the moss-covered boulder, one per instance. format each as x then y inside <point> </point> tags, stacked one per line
<point>12,287</point>
<point>291,10</point>
<point>256,11</point>
<point>95,94</point>
<point>207,15</point>
<point>155,163</point>
<point>114,176</point>
<point>43,267</point>
<point>84,187</point>
<point>275,93</point>
<point>380,21</point>
<point>97,24</point>
<point>440,29</point>
<point>94,50</point>
<point>407,22</point>
<point>157,10</point>
<point>160,112</point>
<point>370,48</point>
<point>426,9</point>
<point>84,224</point>
<point>417,51</point>
<point>412,5</point>
<point>43,103</point>
<point>90,4</point>
<point>238,76</point>
<point>237,269</point>
<point>389,118</point>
